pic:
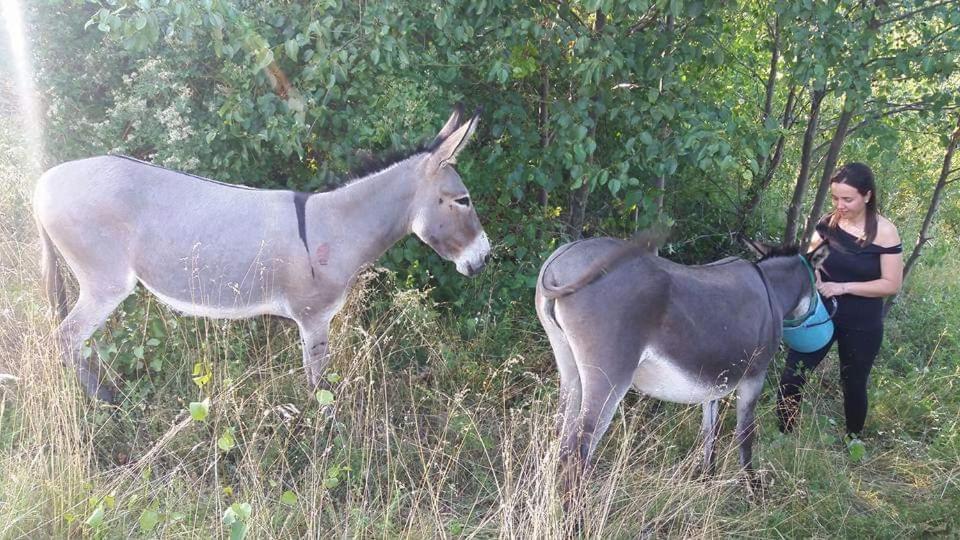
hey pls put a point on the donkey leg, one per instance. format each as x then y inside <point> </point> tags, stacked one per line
<point>748,394</point>
<point>570,390</point>
<point>316,353</point>
<point>86,317</point>
<point>604,384</point>
<point>709,428</point>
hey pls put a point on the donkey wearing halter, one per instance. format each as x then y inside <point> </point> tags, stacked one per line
<point>617,315</point>
<point>217,250</point>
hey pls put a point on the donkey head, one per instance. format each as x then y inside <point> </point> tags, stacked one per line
<point>443,213</point>
<point>815,258</point>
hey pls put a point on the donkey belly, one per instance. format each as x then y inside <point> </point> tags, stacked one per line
<point>212,287</point>
<point>660,376</point>
<point>221,308</point>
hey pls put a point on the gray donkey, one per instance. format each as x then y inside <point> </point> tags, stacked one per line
<point>619,316</point>
<point>211,249</point>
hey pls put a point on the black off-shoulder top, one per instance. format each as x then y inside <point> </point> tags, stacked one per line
<point>854,263</point>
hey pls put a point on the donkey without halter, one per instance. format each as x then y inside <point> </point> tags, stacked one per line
<point>218,250</point>
<point>617,315</point>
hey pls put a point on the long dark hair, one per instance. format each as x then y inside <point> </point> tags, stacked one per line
<point>860,177</point>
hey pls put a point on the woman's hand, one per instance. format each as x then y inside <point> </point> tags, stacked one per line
<point>830,288</point>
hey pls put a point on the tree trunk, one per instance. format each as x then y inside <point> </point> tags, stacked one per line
<point>772,77</point>
<point>938,192</point>
<point>543,123</point>
<point>661,184</point>
<point>772,164</point>
<point>836,144</point>
<point>578,211</point>
<point>578,202</point>
<point>664,132</point>
<point>793,212</point>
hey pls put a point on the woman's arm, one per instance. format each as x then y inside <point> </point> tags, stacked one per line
<point>891,278</point>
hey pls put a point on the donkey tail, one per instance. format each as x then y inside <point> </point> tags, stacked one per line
<point>644,242</point>
<point>53,283</point>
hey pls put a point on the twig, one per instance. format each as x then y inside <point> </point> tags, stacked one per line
<point>909,14</point>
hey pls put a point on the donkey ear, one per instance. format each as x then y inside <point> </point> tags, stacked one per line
<point>758,248</point>
<point>446,152</point>
<point>452,123</point>
<point>819,254</point>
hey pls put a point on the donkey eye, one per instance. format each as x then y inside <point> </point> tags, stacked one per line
<point>463,201</point>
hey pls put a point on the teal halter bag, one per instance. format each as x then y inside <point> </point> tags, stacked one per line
<point>815,329</point>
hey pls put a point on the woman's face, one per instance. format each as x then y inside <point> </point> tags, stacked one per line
<point>848,201</point>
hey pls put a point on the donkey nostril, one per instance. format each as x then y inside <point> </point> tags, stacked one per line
<point>486,258</point>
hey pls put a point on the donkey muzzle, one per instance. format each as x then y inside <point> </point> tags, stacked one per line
<point>473,259</point>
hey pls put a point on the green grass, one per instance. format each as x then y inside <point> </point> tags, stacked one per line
<point>418,447</point>
<point>434,431</point>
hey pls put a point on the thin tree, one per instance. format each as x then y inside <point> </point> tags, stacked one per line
<point>578,202</point>
<point>938,191</point>
<point>806,156</point>
<point>833,153</point>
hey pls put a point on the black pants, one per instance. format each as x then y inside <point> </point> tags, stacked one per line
<point>857,349</point>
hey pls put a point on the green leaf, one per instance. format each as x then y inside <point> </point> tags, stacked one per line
<point>148,520</point>
<point>292,47</point>
<point>333,377</point>
<point>324,397</point>
<point>202,373</point>
<point>238,531</point>
<point>857,450</point>
<point>375,56</point>
<point>156,327</point>
<point>200,409</point>
<point>96,518</point>
<point>227,442</point>
<point>288,498</point>
<point>236,518</point>
<point>264,58</point>
<point>242,510</point>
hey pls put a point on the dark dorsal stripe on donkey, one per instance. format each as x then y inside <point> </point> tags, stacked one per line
<point>619,316</point>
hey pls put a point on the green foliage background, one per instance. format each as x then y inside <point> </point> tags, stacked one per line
<point>588,107</point>
<point>591,99</point>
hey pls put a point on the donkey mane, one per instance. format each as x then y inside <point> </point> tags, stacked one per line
<point>788,250</point>
<point>371,164</point>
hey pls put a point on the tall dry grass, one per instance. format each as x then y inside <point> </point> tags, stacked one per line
<point>429,434</point>
<point>399,453</point>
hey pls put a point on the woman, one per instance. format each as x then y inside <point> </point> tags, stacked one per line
<point>865,267</point>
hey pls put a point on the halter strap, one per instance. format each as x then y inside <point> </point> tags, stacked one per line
<point>813,298</point>
<point>766,288</point>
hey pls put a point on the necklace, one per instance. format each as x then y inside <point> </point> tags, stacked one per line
<point>857,231</point>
